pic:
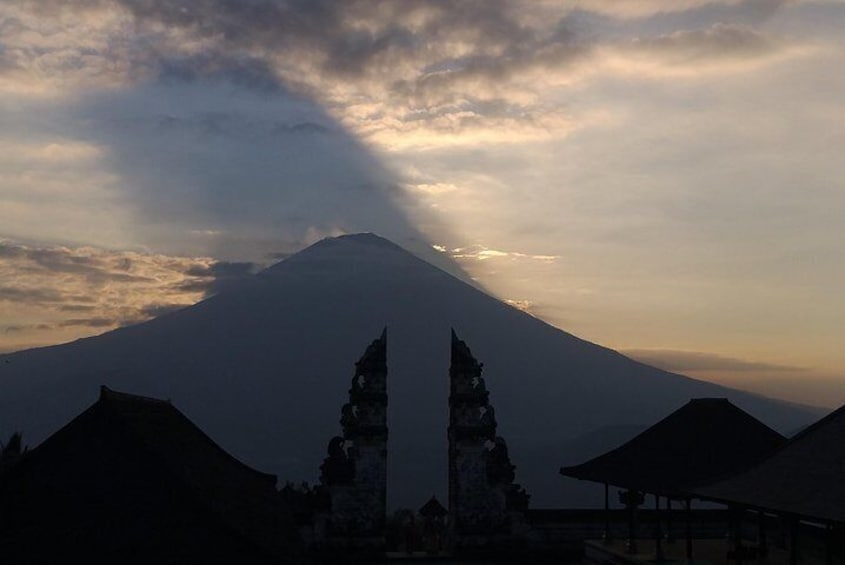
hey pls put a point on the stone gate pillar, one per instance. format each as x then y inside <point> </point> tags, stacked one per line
<point>484,502</point>
<point>354,475</point>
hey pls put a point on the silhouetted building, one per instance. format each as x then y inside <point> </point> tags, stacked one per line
<point>132,480</point>
<point>354,475</point>
<point>434,529</point>
<point>805,478</point>
<point>804,481</point>
<point>433,510</point>
<point>704,439</point>
<point>484,501</point>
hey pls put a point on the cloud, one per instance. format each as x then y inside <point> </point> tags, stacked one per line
<point>612,133</point>
<point>478,252</point>
<point>524,305</point>
<point>213,169</point>
<point>679,360</point>
<point>247,71</point>
<point>415,56</point>
<point>200,129</point>
<point>52,46</point>
<point>30,295</point>
<point>90,322</point>
<point>409,75</point>
<point>698,53</point>
<point>156,310</point>
<point>420,73</point>
<point>651,8</point>
<point>719,41</point>
<point>96,268</point>
<point>50,290</point>
<point>13,328</point>
<point>49,179</point>
<point>219,276</point>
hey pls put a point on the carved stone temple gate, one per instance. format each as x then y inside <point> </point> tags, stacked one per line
<point>354,475</point>
<point>484,502</point>
<point>485,505</point>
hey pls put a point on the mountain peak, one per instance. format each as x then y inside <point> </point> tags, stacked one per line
<point>363,237</point>
<point>350,249</point>
<point>347,241</point>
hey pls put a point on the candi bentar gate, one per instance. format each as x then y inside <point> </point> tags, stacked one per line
<point>486,506</point>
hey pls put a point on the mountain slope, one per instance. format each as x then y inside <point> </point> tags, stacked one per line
<point>265,368</point>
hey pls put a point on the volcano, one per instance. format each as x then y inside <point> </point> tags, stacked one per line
<point>263,368</point>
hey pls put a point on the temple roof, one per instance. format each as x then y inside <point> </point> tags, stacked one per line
<point>137,449</point>
<point>433,509</point>
<point>182,446</point>
<point>705,439</point>
<point>804,478</point>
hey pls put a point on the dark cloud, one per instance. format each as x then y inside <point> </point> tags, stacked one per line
<point>223,269</point>
<point>30,295</point>
<point>302,128</point>
<point>267,169</point>
<point>76,308</point>
<point>675,360</point>
<point>11,251</point>
<point>63,289</point>
<point>243,41</point>
<point>330,35</point>
<point>316,25</point>
<point>235,125</point>
<point>248,72</point>
<point>719,41</point>
<point>93,268</point>
<point>745,12</point>
<point>90,322</point>
<point>436,64</point>
<point>60,288</point>
<point>57,260</point>
<point>7,62</point>
<point>218,277</point>
<point>16,328</point>
<point>156,310</point>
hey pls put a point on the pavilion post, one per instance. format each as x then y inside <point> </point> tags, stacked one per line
<point>658,531</point>
<point>631,499</point>
<point>607,535</point>
<point>828,544</point>
<point>735,517</point>
<point>793,541</point>
<point>632,527</point>
<point>689,528</point>
<point>669,536</point>
<point>762,542</point>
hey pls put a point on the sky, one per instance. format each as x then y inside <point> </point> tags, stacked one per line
<point>663,178</point>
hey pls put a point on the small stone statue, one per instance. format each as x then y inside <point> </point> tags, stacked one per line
<point>337,467</point>
<point>499,467</point>
<point>349,417</point>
